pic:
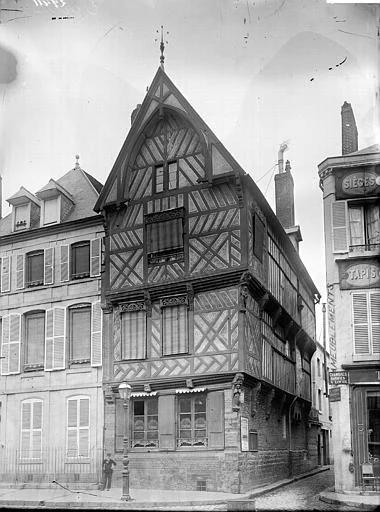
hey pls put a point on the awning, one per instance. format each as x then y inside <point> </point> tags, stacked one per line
<point>190,390</point>
<point>143,393</point>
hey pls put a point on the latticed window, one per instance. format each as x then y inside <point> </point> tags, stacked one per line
<point>31,429</point>
<point>78,426</point>
<point>145,423</point>
<point>35,268</point>
<point>192,425</point>
<point>166,176</point>
<point>174,325</point>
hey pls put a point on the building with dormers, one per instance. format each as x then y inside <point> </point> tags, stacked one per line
<point>208,311</point>
<point>51,333</point>
<point>351,188</point>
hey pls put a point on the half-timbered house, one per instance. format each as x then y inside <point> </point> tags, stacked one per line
<point>51,383</point>
<point>209,311</point>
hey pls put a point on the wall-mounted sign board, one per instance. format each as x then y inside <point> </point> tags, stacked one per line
<point>361,273</point>
<point>360,181</point>
<point>337,378</point>
<point>334,395</point>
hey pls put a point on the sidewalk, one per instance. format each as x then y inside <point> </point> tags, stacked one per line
<point>360,501</point>
<point>141,498</point>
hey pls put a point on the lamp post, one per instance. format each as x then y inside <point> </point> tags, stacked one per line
<point>125,394</point>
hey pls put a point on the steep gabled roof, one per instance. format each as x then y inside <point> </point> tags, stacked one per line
<point>53,187</point>
<point>161,95</point>
<point>21,196</point>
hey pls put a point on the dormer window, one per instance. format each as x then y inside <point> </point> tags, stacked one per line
<point>22,217</point>
<point>51,211</point>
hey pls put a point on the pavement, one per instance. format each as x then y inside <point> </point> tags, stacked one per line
<point>62,498</point>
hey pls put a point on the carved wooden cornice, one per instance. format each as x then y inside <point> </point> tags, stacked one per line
<point>175,213</point>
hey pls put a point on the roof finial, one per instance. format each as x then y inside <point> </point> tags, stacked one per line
<point>162,46</point>
<point>77,166</point>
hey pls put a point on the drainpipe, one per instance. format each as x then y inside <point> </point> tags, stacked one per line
<point>290,424</point>
<point>324,348</point>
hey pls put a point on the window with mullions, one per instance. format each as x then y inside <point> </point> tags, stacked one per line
<point>35,268</point>
<point>364,221</point>
<point>34,340</point>
<point>80,260</point>
<point>174,316</point>
<point>80,334</point>
<point>192,425</point>
<point>145,423</point>
<point>166,176</point>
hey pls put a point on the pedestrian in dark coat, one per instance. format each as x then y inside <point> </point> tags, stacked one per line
<point>107,471</point>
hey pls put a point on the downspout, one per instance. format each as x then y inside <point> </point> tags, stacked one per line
<point>290,426</point>
<point>324,348</point>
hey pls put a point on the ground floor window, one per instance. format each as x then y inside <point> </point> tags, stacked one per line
<point>192,426</point>
<point>145,423</point>
<point>78,426</point>
<point>31,429</point>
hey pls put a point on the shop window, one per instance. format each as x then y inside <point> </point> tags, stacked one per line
<point>133,332</point>
<point>80,334</point>
<point>192,426</point>
<point>373,408</point>
<point>78,426</point>
<point>34,340</point>
<point>31,429</point>
<point>164,236</point>
<point>35,268</point>
<point>80,260</point>
<point>144,423</point>
<point>174,325</point>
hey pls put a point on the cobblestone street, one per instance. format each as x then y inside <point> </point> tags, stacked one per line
<point>301,495</point>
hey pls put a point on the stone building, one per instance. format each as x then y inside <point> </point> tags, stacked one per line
<point>51,341</point>
<point>208,312</point>
<point>351,189</point>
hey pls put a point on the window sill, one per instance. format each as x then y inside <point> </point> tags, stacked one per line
<point>33,367</point>
<point>365,357</point>
<point>75,277</point>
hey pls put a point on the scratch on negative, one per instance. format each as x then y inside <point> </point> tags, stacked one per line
<point>354,34</point>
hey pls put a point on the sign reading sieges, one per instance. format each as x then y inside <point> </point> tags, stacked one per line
<point>358,182</point>
<point>362,274</point>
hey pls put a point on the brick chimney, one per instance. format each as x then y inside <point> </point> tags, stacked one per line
<point>349,130</point>
<point>284,191</point>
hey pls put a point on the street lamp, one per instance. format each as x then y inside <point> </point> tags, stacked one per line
<point>125,394</point>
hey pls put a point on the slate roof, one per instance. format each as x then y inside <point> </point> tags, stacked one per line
<point>375,148</point>
<point>84,190</point>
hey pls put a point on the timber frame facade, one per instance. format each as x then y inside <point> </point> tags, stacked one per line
<point>208,311</point>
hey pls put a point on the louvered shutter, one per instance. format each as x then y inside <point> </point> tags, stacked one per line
<point>26,425</point>
<point>14,343</point>
<point>72,428</point>
<point>49,265</point>
<point>96,334</point>
<point>375,321</point>
<point>5,273</point>
<point>20,271</point>
<point>339,226</point>
<point>55,339</point>
<point>36,441</point>
<point>84,424</point>
<point>166,421</point>
<point>5,345</point>
<point>95,256</point>
<point>64,263</point>
<point>360,322</point>
<point>215,419</point>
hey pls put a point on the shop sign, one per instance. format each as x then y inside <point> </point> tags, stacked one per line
<point>365,375</point>
<point>334,395</point>
<point>337,378</point>
<point>363,274</point>
<point>359,182</point>
<point>244,434</point>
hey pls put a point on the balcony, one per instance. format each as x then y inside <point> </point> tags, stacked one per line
<point>364,249</point>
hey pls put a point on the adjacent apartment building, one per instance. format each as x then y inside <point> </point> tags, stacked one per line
<point>208,311</point>
<point>351,190</point>
<point>51,394</point>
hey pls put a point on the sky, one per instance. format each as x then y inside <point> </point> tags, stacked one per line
<point>258,72</point>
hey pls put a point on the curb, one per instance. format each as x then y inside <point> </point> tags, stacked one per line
<point>327,498</point>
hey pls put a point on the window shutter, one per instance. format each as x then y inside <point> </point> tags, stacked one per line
<point>36,444</point>
<point>339,226</point>
<point>95,256</point>
<point>14,343</point>
<point>5,346</point>
<point>5,273</point>
<point>55,339</point>
<point>360,322</point>
<point>26,424</point>
<point>166,421</point>
<point>375,321</point>
<point>96,334</point>
<point>64,263</point>
<point>49,265</point>
<point>20,271</point>
<point>215,419</point>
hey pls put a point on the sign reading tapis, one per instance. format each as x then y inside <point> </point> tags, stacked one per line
<point>359,274</point>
